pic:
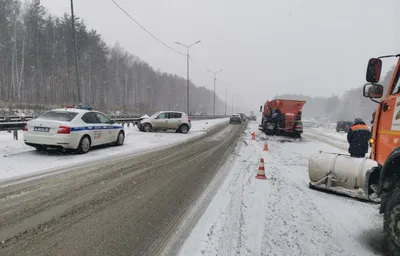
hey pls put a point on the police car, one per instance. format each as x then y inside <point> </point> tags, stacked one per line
<point>72,128</point>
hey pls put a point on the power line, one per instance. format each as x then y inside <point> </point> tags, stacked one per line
<point>201,70</point>
<point>206,74</point>
<point>148,32</point>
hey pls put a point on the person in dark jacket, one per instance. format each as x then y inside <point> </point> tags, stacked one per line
<point>358,137</point>
<point>277,117</point>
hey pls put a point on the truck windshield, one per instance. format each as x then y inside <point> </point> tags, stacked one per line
<point>396,88</point>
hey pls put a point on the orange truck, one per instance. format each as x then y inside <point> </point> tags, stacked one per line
<point>282,117</point>
<point>385,144</point>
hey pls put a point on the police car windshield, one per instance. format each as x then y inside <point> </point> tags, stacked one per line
<point>58,116</point>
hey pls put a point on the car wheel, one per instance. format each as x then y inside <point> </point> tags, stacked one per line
<point>147,127</point>
<point>84,145</point>
<point>392,222</point>
<point>184,128</point>
<point>120,139</point>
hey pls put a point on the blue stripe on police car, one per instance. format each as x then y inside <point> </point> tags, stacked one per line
<point>91,128</point>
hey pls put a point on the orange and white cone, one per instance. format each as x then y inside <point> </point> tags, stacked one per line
<point>261,171</point>
<point>266,147</point>
<point>253,136</point>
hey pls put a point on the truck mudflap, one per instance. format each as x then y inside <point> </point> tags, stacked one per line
<point>343,175</point>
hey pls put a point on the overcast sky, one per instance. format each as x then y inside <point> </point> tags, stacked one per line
<point>265,47</point>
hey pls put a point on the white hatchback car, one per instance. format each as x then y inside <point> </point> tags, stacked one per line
<point>72,128</point>
<point>166,120</point>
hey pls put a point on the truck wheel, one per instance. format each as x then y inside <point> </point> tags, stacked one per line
<point>84,145</point>
<point>392,222</point>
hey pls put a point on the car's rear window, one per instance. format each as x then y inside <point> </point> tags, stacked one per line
<point>175,115</point>
<point>66,116</point>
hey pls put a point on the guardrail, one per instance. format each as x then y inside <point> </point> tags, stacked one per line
<point>18,123</point>
<point>315,124</point>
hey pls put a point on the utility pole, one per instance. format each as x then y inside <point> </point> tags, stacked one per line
<point>226,98</point>
<point>187,73</point>
<point>215,81</point>
<point>233,101</point>
<point>78,86</point>
<point>165,96</point>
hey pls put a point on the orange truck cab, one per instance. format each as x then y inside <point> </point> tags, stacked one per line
<point>282,117</point>
<point>385,144</point>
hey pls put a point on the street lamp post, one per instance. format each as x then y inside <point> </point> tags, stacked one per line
<point>187,71</point>
<point>78,87</point>
<point>233,101</point>
<point>226,98</point>
<point>215,80</point>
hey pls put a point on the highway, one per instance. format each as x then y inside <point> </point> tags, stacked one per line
<point>127,206</point>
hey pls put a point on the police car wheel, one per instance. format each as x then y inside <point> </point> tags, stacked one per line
<point>120,139</point>
<point>84,145</point>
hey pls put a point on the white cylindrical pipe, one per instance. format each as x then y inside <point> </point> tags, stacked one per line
<point>349,171</point>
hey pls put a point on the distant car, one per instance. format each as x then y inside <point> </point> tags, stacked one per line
<point>235,119</point>
<point>72,128</point>
<point>343,126</point>
<point>252,117</point>
<point>166,120</point>
<point>243,116</point>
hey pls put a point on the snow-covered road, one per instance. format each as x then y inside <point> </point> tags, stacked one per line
<point>281,215</point>
<point>17,159</point>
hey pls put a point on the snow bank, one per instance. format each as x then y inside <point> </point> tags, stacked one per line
<point>281,215</point>
<point>17,159</point>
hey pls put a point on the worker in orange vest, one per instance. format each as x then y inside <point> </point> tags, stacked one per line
<point>358,137</point>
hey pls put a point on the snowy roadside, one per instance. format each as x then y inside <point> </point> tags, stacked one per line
<point>281,215</point>
<point>331,137</point>
<point>17,159</point>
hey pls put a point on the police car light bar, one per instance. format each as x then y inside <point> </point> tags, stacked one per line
<point>87,108</point>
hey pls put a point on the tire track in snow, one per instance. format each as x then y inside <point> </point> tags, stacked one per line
<point>334,233</point>
<point>288,225</point>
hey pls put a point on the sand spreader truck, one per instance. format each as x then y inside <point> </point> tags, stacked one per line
<point>282,117</point>
<point>376,178</point>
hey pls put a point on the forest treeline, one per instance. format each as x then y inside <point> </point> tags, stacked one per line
<point>37,67</point>
<point>350,105</point>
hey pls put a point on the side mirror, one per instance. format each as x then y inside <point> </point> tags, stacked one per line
<point>112,122</point>
<point>374,91</point>
<point>374,70</point>
<point>260,108</point>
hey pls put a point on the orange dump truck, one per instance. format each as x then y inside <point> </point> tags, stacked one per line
<point>282,117</point>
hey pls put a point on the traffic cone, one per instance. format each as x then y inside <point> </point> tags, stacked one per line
<point>266,146</point>
<point>261,171</point>
<point>253,136</point>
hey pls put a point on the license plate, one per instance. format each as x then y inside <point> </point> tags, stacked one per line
<point>41,129</point>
